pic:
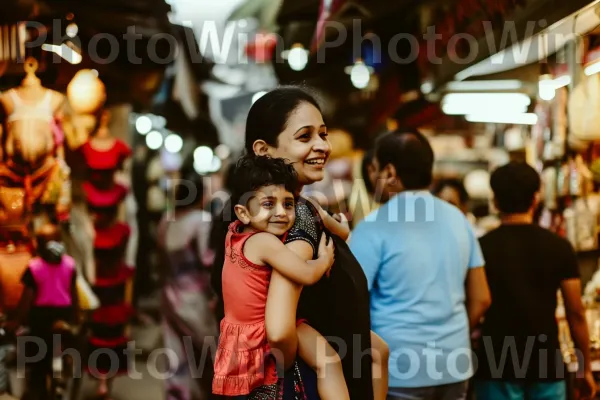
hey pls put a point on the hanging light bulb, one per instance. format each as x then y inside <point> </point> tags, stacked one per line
<point>154,140</point>
<point>360,74</point>
<point>72,30</point>
<point>546,85</point>
<point>173,143</point>
<point>143,125</point>
<point>297,57</point>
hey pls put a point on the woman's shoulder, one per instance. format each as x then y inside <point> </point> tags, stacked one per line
<point>307,227</point>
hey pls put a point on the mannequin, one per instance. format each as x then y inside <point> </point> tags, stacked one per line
<point>31,108</point>
<point>106,155</point>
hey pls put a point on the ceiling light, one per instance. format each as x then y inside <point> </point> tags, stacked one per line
<point>154,140</point>
<point>495,118</point>
<point>173,143</point>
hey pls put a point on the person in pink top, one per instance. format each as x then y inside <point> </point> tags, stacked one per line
<point>245,367</point>
<point>49,296</point>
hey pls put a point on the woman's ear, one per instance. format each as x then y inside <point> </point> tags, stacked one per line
<point>242,213</point>
<point>261,148</point>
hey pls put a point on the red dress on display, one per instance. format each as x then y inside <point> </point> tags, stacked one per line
<point>104,195</point>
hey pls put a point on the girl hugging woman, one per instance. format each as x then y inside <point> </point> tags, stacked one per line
<point>264,199</point>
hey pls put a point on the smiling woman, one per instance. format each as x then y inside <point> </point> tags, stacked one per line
<point>287,123</point>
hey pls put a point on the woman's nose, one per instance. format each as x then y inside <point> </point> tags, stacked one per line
<point>321,145</point>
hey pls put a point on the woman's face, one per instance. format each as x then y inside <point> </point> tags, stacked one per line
<point>304,143</point>
<point>450,195</point>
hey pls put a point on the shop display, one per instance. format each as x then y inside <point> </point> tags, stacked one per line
<point>112,278</point>
<point>34,179</point>
<point>584,119</point>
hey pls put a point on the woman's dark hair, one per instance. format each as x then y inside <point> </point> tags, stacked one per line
<point>253,172</point>
<point>189,191</point>
<point>269,115</point>
<point>409,151</point>
<point>49,247</point>
<point>455,184</point>
<point>515,185</point>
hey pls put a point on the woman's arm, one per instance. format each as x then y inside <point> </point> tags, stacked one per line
<point>280,318</point>
<point>269,250</point>
<point>280,313</point>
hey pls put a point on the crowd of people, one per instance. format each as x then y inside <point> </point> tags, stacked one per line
<point>306,308</point>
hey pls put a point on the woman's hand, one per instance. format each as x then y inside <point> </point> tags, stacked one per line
<point>326,254</point>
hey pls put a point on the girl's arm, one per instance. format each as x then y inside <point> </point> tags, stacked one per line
<point>336,224</point>
<point>270,250</point>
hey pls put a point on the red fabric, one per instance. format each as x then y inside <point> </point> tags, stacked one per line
<point>112,315</point>
<point>324,14</point>
<point>112,158</point>
<point>114,278</point>
<point>262,47</point>
<point>112,237</point>
<point>102,198</point>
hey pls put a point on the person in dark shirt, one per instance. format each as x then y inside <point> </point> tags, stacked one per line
<point>519,355</point>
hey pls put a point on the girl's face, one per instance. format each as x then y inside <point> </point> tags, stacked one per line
<point>269,209</point>
<point>304,143</point>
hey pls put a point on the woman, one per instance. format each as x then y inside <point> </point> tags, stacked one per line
<point>186,294</point>
<point>454,192</point>
<point>287,123</point>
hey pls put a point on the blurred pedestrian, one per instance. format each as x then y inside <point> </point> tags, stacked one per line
<point>187,299</point>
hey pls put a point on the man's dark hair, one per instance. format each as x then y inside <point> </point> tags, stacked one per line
<point>515,185</point>
<point>253,172</point>
<point>455,184</point>
<point>409,151</point>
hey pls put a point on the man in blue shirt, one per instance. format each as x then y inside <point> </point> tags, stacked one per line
<point>425,273</point>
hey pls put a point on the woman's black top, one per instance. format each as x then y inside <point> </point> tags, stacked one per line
<point>337,306</point>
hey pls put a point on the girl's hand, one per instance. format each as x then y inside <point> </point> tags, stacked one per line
<point>326,253</point>
<point>343,220</point>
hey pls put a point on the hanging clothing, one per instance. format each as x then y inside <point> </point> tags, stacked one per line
<point>23,110</point>
<point>113,278</point>
<point>110,320</point>
<point>110,159</point>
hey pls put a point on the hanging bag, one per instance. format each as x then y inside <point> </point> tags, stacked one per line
<point>584,119</point>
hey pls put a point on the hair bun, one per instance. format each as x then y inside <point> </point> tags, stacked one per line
<point>54,251</point>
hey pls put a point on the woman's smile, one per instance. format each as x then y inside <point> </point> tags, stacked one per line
<point>317,162</point>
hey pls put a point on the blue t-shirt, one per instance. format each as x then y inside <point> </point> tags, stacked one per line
<point>416,251</point>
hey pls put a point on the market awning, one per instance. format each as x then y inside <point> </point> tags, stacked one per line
<point>514,33</point>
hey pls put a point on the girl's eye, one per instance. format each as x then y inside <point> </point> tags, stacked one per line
<point>304,136</point>
<point>324,135</point>
<point>289,205</point>
<point>268,204</point>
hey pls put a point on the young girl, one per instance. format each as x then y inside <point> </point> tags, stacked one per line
<point>49,297</point>
<point>265,208</point>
